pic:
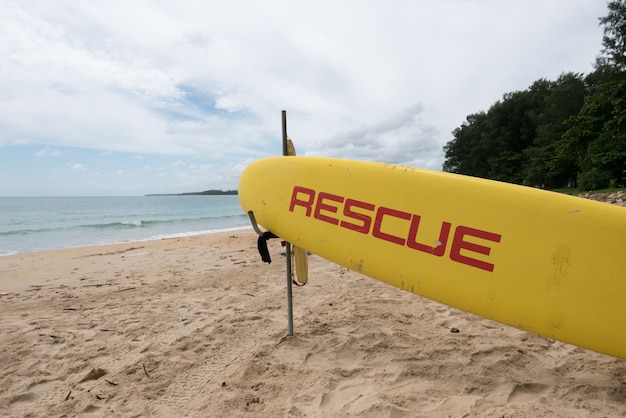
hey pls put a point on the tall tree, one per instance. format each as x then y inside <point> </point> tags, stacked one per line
<point>519,140</point>
<point>491,144</point>
<point>546,167</point>
<point>597,137</point>
<point>614,39</point>
<point>467,152</point>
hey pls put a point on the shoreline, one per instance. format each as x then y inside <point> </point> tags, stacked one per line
<point>196,326</point>
<point>33,258</point>
<point>151,238</point>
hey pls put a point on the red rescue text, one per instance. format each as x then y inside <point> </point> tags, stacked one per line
<point>368,218</point>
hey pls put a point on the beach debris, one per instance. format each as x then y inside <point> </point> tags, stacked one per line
<point>454,330</point>
<point>145,371</point>
<point>54,337</point>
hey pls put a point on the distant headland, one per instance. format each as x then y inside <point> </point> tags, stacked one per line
<point>204,193</point>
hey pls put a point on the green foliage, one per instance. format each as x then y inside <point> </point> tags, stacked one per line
<point>594,179</point>
<point>614,38</point>
<point>597,137</point>
<point>515,140</point>
<point>555,133</point>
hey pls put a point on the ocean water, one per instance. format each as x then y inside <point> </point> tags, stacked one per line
<point>43,223</point>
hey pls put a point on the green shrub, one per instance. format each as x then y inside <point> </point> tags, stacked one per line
<point>594,179</point>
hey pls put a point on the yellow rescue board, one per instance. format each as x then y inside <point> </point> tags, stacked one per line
<point>551,264</point>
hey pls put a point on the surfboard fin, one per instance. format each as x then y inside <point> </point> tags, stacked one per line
<point>291,150</point>
<point>302,266</point>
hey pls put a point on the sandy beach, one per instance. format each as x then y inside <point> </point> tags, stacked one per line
<point>197,327</point>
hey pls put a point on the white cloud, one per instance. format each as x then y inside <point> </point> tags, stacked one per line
<point>360,79</point>
<point>404,138</point>
<point>177,164</point>
<point>48,152</point>
<point>78,167</point>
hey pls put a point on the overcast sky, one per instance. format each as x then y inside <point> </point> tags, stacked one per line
<point>166,96</point>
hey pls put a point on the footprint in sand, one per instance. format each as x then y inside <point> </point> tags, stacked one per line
<point>94,374</point>
<point>24,397</point>
<point>526,392</point>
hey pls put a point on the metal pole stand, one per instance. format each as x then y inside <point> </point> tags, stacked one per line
<point>288,245</point>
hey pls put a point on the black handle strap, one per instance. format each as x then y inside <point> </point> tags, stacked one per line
<point>262,246</point>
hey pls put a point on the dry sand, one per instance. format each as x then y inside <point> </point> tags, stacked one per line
<point>197,327</point>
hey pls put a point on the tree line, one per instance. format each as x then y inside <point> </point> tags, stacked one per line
<point>570,132</point>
